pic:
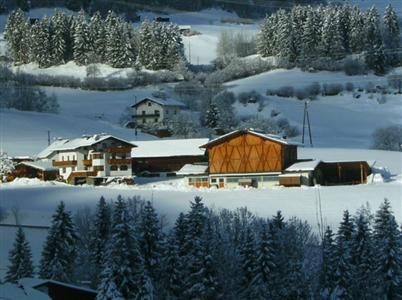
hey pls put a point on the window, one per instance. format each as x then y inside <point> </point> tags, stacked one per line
<point>167,111</point>
<point>221,180</point>
<point>123,155</point>
<point>143,112</point>
<point>143,121</point>
<point>62,158</point>
<point>63,170</point>
<point>213,180</point>
<point>156,112</point>
<point>85,157</point>
<point>99,168</point>
<point>73,169</point>
<point>86,168</point>
<point>149,103</point>
<point>123,168</point>
<point>113,155</point>
<point>156,120</point>
<point>175,112</point>
<point>73,157</point>
<point>113,168</point>
<point>97,156</point>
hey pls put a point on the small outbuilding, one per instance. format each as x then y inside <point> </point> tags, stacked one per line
<point>44,170</point>
<point>195,174</point>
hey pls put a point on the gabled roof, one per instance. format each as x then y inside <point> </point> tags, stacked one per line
<point>233,134</point>
<point>163,102</point>
<point>12,291</point>
<point>309,165</point>
<point>72,144</point>
<point>29,282</point>
<point>193,169</point>
<point>169,148</point>
<point>39,165</point>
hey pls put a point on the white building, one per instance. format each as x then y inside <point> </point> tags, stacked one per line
<point>90,159</point>
<point>150,111</point>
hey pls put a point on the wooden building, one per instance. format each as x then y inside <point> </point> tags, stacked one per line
<point>36,169</point>
<point>248,158</point>
<point>166,156</point>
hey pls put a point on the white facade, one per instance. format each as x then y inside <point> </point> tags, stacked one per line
<point>92,156</point>
<point>151,111</point>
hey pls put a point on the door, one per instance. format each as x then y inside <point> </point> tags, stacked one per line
<point>221,183</point>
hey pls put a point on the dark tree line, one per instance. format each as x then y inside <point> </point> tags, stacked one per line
<point>304,34</point>
<point>61,38</point>
<point>126,251</point>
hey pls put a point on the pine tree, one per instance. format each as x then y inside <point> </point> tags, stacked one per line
<point>42,43</point>
<point>362,252</point>
<point>265,264</point>
<point>97,34</point>
<point>248,266</point>
<point>6,165</point>
<point>328,267</point>
<point>284,40</point>
<point>20,258</point>
<point>388,253</point>
<point>212,115</point>
<point>332,44</point>
<point>60,26</point>
<point>150,240</point>
<point>100,234</point>
<point>17,35</point>
<point>310,35</point>
<point>391,36</point>
<point>82,43</point>
<point>172,270</point>
<point>344,263</point>
<point>123,270</point>
<point>357,31</point>
<point>59,251</point>
<point>266,37</point>
<point>375,57</point>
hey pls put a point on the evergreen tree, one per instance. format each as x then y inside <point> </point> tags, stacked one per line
<point>97,33</point>
<point>311,35</point>
<point>20,258</point>
<point>180,231</point>
<point>17,35</point>
<point>266,37</point>
<point>23,4</point>
<point>392,36</point>
<point>328,267</point>
<point>344,263</point>
<point>362,257</point>
<point>123,271</point>
<point>375,57</point>
<point>265,264</point>
<point>172,270</point>
<point>60,26</point>
<point>388,253</point>
<point>82,43</point>
<point>212,115</point>
<point>100,234</point>
<point>332,44</point>
<point>285,40</point>
<point>150,240</point>
<point>357,31</point>
<point>248,265</point>
<point>59,251</point>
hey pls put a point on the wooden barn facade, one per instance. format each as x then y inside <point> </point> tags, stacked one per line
<point>248,158</point>
<point>36,169</point>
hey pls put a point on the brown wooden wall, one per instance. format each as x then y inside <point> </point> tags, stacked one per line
<point>248,153</point>
<point>164,164</point>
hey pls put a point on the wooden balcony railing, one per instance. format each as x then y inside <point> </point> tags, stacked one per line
<point>119,161</point>
<point>87,162</point>
<point>64,163</point>
<point>118,149</point>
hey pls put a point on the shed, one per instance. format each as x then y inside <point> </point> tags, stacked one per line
<point>43,170</point>
<point>342,172</point>
<point>290,179</point>
<point>195,174</point>
<point>167,155</point>
<point>303,170</point>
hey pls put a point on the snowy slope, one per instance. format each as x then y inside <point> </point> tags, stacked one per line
<point>337,121</point>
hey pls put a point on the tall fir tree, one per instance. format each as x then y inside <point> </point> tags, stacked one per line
<point>328,266</point>
<point>332,44</point>
<point>100,234</point>
<point>97,34</point>
<point>60,26</point>
<point>357,31</point>
<point>17,35</point>
<point>344,264</point>
<point>310,35</point>
<point>82,43</point>
<point>123,270</point>
<point>20,258</point>
<point>362,252</point>
<point>58,254</point>
<point>172,270</point>
<point>392,38</point>
<point>388,253</point>
<point>248,266</point>
<point>212,115</point>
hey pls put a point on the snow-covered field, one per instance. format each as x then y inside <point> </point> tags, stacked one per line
<point>37,200</point>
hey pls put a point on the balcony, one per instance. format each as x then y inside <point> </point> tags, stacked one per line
<point>87,162</point>
<point>119,161</point>
<point>118,149</point>
<point>64,163</point>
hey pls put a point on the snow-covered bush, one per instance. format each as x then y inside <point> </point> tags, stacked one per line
<point>354,67</point>
<point>6,166</point>
<point>349,86</point>
<point>285,91</point>
<point>258,123</point>
<point>249,97</point>
<point>313,89</point>
<point>332,89</point>
<point>388,138</point>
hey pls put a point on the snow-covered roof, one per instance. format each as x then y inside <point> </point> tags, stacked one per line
<point>169,148</point>
<point>192,169</point>
<point>72,144</point>
<point>11,291</point>
<point>309,165</point>
<point>29,282</point>
<point>40,165</point>
<point>272,137</point>
<point>163,102</point>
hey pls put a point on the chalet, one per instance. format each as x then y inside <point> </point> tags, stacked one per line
<point>248,158</point>
<point>90,158</point>
<point>57,290</point>
<point>151,111</point>
<point>43,170</point>
<point>167,156</point>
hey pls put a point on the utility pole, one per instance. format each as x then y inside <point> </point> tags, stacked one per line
<point>306,118</point>
<point>48,137</point>
<point>189,52</point>
<point>135,121</point>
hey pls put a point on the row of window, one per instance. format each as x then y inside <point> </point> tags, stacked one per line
<point>116,168</point>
